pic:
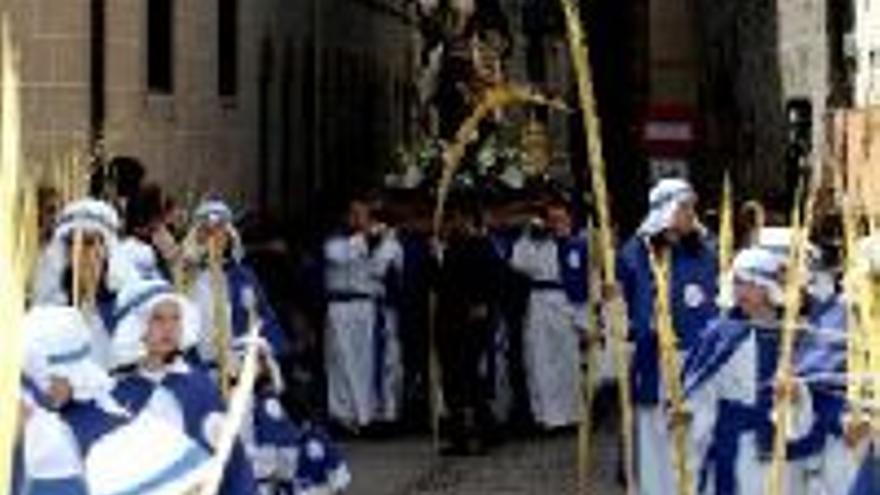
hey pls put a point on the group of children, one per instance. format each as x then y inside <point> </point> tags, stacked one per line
<point>127,372</point>
<point>729,350</point>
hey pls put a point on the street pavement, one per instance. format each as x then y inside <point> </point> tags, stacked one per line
<point>538,466</point>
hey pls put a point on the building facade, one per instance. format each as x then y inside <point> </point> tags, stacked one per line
<point>275,104</point>
<point>761,57</point>
<point>864,48</point>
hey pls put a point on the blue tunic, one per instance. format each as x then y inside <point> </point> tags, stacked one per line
<point>693,286</point>
<point>198,397</point>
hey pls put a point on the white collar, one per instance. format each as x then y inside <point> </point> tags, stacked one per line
<point>177,366</point>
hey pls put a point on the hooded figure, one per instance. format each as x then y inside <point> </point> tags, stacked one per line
<point>555,263</point>
<point>77,438</point>
<point>670,229</point>
<point>156,327</point>
<point>238,290</point>
<point>730,387</point>
<point>89,227</point>
<point>287,458</point>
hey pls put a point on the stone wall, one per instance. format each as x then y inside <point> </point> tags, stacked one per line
<point>262,146</point>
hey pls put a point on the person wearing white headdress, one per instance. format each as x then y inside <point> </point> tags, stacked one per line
<point>823,304</point>
<point>77,438</point>
<point>157,327</point>
<point>850,459</point>
<point>288,457</point>
<point>553,259</point>
<point>731,385</point>
<point>85,246</point>
<point>671,229</point>
<point>238,289</point>
<point>362,350</point>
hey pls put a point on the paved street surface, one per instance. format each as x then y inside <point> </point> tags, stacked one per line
<point>525,467</point>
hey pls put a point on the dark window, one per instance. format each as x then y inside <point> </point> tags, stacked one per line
<point>160,43</point>
<point>227,44</point>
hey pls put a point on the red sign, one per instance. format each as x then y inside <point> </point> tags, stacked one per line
<point>669,131</point>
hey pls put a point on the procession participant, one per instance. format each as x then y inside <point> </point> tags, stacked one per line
<point>467,287</point>
<point>731,390</point>
<point>506,219</point>
<point>554,260</point>
<point>850,461</point>
<point>143,220</point>
<point>83,265</point>
<point>156,328</point>
<point>77,439</point>
<point>412,217</point>
<point>288,458</point>
<point>821,289</point>
<point>824,310</point>
<point>225,289</point>
<point>361,348</point>
<point>670,228</point>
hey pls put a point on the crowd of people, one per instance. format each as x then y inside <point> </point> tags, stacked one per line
<point>136,336</point>
<point>517,303</point>
<point>140,317</point>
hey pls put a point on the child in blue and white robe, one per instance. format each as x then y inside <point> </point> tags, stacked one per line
<point>156,327</point>
<point>96,223</point>
<point>555,263</point>
<point>730,385</point>
<point>77,439</point>
<point>671,224</point>
<point>288,458</point>
<point>851,460</point>
<point>214,222</point>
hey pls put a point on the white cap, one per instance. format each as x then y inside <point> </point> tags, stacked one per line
<point>240,347</point>
<point>215,211</point>
<point>762,268</point>
<point>665,198</point>
<point>88,214</point>
<point>134,306</point>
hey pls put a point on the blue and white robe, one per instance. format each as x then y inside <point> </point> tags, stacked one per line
<point>85,449</point>
<point>729,389</point>
<point>841,469</point>
<point>239,281</point>
<point>362,351</point>
<point>694,287</point>
<point>186,397</point>
<point>290,459</point>
<point>557,270</point>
